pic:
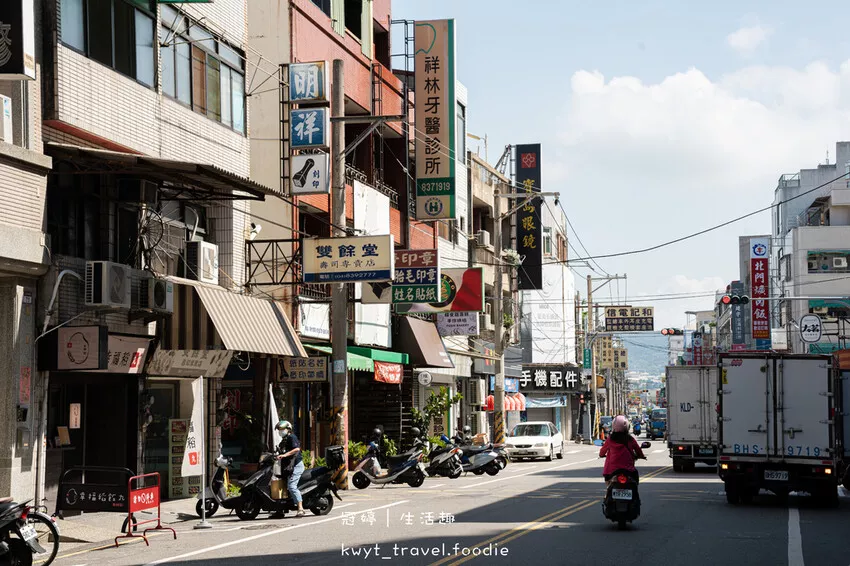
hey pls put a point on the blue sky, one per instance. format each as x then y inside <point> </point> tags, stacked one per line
<point>656,118</point>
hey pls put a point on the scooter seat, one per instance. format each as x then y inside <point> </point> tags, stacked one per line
<point>396,460</point>
<point>470,450</point>
<point>312,474</point>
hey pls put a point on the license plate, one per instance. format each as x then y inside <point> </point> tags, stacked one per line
<point>28,533</point>
<point>706,451</point>
<point>776,475</point>
<point>623,494</point>
<point>522,452</point>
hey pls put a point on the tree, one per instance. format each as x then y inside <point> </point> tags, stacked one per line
<point>437,404</point>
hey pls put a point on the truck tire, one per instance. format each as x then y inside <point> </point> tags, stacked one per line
<point>732,494</point>
<point>677,465</point>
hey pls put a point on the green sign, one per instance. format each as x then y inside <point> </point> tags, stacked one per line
<point>588,362</point>
<point>823,348</point>
<point>825,303</point>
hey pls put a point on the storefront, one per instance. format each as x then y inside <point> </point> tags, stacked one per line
<point>551,391</point>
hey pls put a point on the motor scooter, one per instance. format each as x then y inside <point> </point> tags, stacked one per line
<point>215,494</point>
<point>445,460</point>
<point>403,468</point>
<point>19,539</point>
<point>316,486</point>
<point>622,501</point>
<point>477,459</point>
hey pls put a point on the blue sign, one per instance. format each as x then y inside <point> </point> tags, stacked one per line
<point>308,82</point>
<point>763,344</point>
<point>511,384</point>
<point>309,128</point>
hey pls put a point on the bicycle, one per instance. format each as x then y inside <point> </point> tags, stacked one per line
<point>47,534</point>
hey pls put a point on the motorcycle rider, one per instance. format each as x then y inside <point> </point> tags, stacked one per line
<point>291,459</point>
<point>620,451</point>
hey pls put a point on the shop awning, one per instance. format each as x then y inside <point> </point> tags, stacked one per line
<point>380,355</point>
<point>515,402</point>
<point>189,179</point>
<point>421,340</point>
<point>354,361</point>
<point>247,323</point>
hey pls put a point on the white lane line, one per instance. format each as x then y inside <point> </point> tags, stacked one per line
<point>659,451</point>
<point>795,539</point>
<point>529,473</point>
<point>572,452</point>
<point>435,486</point>
<point>263,535</point>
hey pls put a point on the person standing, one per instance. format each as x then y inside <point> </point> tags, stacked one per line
<point>291,459</point>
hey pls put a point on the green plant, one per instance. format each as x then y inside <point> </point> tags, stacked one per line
<point>388,446</point>
<point>308,456</point>
<point>436,441</point>
<point>507,320</point>
<point>438,404</point>
<point>356,451</point>
<point>233,490</point>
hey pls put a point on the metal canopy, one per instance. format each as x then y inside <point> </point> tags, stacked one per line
<point>180,179</point>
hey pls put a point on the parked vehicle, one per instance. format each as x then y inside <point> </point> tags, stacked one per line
<point>26,534</point>
<point>692,415</point>
<point>403,468</point>
<point>445,460</point>
<point>776,426</point>
<point>215,495</point>
<point>535,439</point>
<point>843,421</point>
<point>478,459</point>
<point>316,486</point>
<point>657,427</point>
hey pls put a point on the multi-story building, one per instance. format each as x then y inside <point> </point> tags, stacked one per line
<point>810,254</point>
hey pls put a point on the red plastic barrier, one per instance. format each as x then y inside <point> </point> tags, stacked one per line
<point>142,497</point>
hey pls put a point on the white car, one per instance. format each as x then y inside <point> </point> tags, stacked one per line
<point>537,439</point>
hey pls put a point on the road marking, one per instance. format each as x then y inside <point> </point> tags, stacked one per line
<point>657,473</point>
<point>435,486</point>
<point>573,452</point>
<point>529,473</point>
<point>659,451</point>
<point>521,530</point>
<point>795,539</point>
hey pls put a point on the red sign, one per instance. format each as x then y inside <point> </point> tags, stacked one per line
<point>760,291</point>
<point>388,372</point>
<point>144,498</point>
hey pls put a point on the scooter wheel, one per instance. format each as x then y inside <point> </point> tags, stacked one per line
<point>360,480</point>
<point>248,509</point>
<point>492,469</point>
<point>323,505</point>
<point>19,554</point>
<point>417,479</point>
<point>212,507</point>
<point>455,473</point>
<point>478,471</point>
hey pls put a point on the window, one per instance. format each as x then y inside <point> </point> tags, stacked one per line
<point>547,240</point>
<point>353,17</point>
<point>324,6</point>
<point>461,134</point>
<point>117,33</point>
<point>201,72</point>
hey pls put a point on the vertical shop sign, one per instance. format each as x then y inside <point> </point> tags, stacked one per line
<point>192,461</point>
<point>178,485</point>
<point>759,292</point>
<point>436,109</point>
<point>739,340</point>
<point>529,229</point>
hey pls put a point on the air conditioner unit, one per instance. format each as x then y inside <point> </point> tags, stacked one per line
<point>156,294</point>
<point>202,262</point>
<point>6,134</point>
<point>476,391</point>
<point>482,239</point>
<point>813,265</point>
<point>839,263</point>
<point>107,285</point>
<point>485,322</point>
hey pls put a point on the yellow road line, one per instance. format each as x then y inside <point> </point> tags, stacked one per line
<point>522,529</point>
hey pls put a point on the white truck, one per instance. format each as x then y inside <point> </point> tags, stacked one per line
<point>777,428</point>
<point>692,415</point>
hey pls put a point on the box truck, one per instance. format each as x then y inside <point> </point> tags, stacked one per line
<point>692,415</point>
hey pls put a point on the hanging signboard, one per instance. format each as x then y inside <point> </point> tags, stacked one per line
<point>529,243</point>
<point>310,174</point>
<point>305,369</point>
<point>17,40</point>
<point>458,324</point>
<point>810,328</point>
<point>545,378</point>
<point>388,372</point>
<point>190,363</point>
<point>739,339</point>
<point>127,354</point>
<point>192,456</point>
<point>74,348</point>
<point>177,429</point>
<point>435,114</point>
<point>629,319</point>
<point>308,82</point>
<point>309,128</point>
<point>344,260</point>
<point>759,292</point>
<point>461,290</point>
<point>417,280</point>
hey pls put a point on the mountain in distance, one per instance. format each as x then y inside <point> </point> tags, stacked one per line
<point>647,352</point>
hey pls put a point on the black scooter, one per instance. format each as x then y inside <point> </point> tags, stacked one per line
<point>215,495</point>
<point>622,502</point>
<point>316,486</point>
<point>18,539</point>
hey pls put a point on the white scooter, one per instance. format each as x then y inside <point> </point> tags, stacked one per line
<point>478,459</point>
<point>404,468</point>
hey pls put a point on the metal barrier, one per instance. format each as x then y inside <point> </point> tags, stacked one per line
<point>143,496</point>
<point>83,496</point>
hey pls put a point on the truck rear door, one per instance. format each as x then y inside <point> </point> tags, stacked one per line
<point>683,408</point>
<point>708,404</point>
<point>746,403</point>
<point>804,402</point>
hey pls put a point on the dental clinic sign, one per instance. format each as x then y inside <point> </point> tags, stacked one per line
<point>348,260</point>
<point>17,40</point>
<point>760,291</point>
<point>436,103</point>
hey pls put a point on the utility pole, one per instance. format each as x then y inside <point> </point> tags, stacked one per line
<point>499,385</point>
<point>339,294</point>
<point>593,384</point>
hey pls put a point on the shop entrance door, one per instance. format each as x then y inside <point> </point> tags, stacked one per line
<point>164,407</point>
<point>106,425</point>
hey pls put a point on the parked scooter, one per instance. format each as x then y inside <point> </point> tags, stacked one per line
<point>215,494</point>
<point>19,540</point>
<point>445,461</point>
<point>477,459</point>
<point>403,468</point>
<point>316,486</point>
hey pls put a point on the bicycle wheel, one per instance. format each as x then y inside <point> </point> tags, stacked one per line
<point>48,537</point>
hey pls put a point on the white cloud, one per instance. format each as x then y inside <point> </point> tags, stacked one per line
<point>748,39</point>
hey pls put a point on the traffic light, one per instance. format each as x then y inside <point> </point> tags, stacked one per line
<point>671,331</point>
<point>581,398</point>
<point>734,299</point>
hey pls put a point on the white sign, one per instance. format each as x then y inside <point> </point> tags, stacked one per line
<point>810,328</point>
<point>342,260</point>
<point>79,347</point>
<point>425,378</point>
<point>315,320</point>
<point>190,363</point>
<point>458,324</point>
<point>273,417</point>
<point>192,457</point>
<point>127,354</point>
<point>310,174</point>
<point>74,415</point>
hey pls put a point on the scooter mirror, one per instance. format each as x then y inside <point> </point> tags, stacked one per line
<point>645,445</point>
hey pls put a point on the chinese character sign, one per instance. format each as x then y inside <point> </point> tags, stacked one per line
<point>529,229</point>
<point>308,128</point>
<point>310,174</point>
<point>17,40</point>
<point>760,292</point>
<point>192,464</point>
<point>739,339</point>
<point>549,378</point>
<point>308,82</point>
<point>629,319</point>
<point>434,46</point>
<point>458,324</point>
<point>341,260</point>
<point>461,290</point>
<point>417,276</point>
<point>305,369</point>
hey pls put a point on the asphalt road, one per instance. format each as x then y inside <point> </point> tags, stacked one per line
<point>531,513</point>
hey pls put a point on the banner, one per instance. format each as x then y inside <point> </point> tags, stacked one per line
<point>435,115</point>
<point>528,227</point>
<point>273,419</point>
<point>388,372</point>
<point>192,457</point>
